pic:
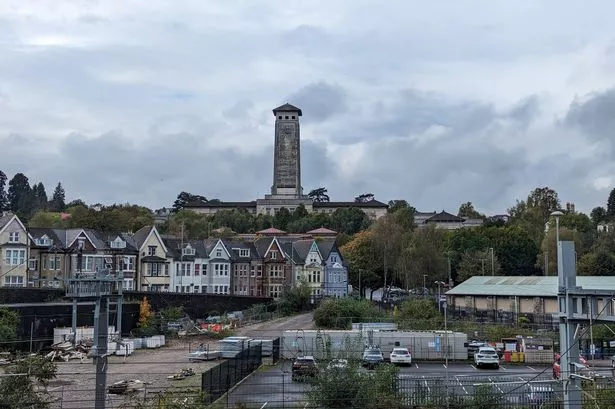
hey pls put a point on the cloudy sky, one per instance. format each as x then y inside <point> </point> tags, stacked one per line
<point>435,102</point>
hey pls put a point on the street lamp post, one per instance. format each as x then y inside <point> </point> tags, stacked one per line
<point>492,262</point>
<point>439,284</point>
<point>557,214</point>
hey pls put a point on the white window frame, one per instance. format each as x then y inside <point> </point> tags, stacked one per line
<point>14,237</point>
<point>15,257</point>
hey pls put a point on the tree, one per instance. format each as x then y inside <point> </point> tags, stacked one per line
<point>610,204</point>
<point>598,215</point>
<point>20,196</point>
<point>57,199</point>
<point>545,199</point>
<point>466,210</point>
<point>349,220</point>
<point>319,195</point>
<point>76,202</point>
<point>47,219</point>
<point>40,196</point>
<point>4,204</point>
<point>281,218</point>
<point>184,198</point>
<point>423,254</point>
<point>364,198</point>
<point>397,204</point>
<point>21,391</point>
<point>295,299</point>
<point>9,320</point>
<point>419,314</point>
<point>388,240</point>
<point>599,263</point>
<point>474,263</point>
<point>365,264</point>
<point>549,247</point>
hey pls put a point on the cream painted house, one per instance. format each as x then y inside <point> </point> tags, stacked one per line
<point>154,268</point>
<point>14,247</point>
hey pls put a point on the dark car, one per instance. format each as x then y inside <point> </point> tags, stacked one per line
<point>304,367</point>
<point>372,357</point>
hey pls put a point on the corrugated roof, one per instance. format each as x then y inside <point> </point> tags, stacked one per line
<point>526,286</point>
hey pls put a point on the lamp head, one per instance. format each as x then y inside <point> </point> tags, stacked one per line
<point>557,213</point>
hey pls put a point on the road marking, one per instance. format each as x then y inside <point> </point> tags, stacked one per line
<point>496,385</point>
<point>444,365</point>
<point>417,365</point>
<point>532,368</point>
<point>502,368</point>
<point>462,387</point>
<point>473,367</point>
<point>264,404</point>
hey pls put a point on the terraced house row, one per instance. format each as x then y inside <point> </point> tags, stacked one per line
<point>261,265</point>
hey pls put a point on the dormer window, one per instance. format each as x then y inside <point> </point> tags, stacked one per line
<point>244,252</point>
<point>14,237</point>
<point>274,254</point>
<point>151,250</point>
<point>188,251</point>
<point>219,253</point>
<point>118,243</point>
<point>43,241</point>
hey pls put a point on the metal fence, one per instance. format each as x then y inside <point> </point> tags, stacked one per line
<point>221,378</point>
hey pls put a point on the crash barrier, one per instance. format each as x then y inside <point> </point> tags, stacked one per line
<point>220,379</point>
<point>349,344</point>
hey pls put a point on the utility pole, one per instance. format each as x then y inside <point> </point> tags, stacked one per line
<point>80,244</point>
<point>547,262</point>
<point>98,287</point>
<point>492,262</point>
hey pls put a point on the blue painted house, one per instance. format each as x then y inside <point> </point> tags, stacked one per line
<point>335,280</point>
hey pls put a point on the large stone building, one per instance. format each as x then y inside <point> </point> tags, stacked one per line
<point>286,190</point>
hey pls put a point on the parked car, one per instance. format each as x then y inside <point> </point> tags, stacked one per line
<point>372,356</point>
<point>474,346</point>
<point>401,356</point>
<point>304,367</point>
<point>487,356</point>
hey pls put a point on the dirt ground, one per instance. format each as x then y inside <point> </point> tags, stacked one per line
<point>75,384</point>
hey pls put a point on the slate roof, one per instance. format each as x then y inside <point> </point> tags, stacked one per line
<point>141,235</point>
<point>174,247</point>
<point>52,234</point>
<point>525,286</point>
<point>5,219</point>
<point>369,204</point>
<point>233,245</point>
<point>287,108</point>
<point>445,217</point>
<point>325,247</point>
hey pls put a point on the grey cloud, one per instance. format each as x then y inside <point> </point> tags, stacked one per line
<point>322,100</point>
<point>525,110</point>
<point>594,115</point>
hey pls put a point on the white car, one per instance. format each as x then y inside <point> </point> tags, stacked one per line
<point>487,356</point>
<point>401,356</point>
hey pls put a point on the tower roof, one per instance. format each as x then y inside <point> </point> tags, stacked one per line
<point>287,108</point>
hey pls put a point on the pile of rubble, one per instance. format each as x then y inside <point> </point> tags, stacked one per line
<point>65,351</point>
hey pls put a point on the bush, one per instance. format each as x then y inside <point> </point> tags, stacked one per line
<point>340,313</point>
<point>295,299</point>
<point>419,314</point>
<point>350,388</point>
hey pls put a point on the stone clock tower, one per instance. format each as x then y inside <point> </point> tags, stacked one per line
<point>286,190</point>
<point>287,153</point>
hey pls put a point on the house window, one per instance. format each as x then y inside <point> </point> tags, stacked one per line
<point>334,259</point>
<point>252,271</point>
<point>274,254</point>
<point>252,290</point>
<point>259,270</point>
<point>275,290</point>
<point>197,289</point>
<point>197,270</point>
<point>15,257</point>
<point>186,269</point>
<point>128,284</point>
<point>244,253</point>
<point>188,251</point>
<point>14,237</point>
<point>151,250</point>
<point>215,289</point>
<point>286,117</point>
<point>129,263</point>
<point>219,253</point>
<point>275,271</point>
<point>13,281</point>
<point>33,263</point>
<point>204,269</point>
<point>155,269</point>
<point>54,263</point>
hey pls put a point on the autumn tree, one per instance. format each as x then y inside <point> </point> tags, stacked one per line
<point>145,314</point>
<point>423,254</point>
<point>477,262</point>
<point>388,239</point>
<point>365,264</point>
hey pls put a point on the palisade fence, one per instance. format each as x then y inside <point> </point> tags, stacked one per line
<point>220,379</point>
